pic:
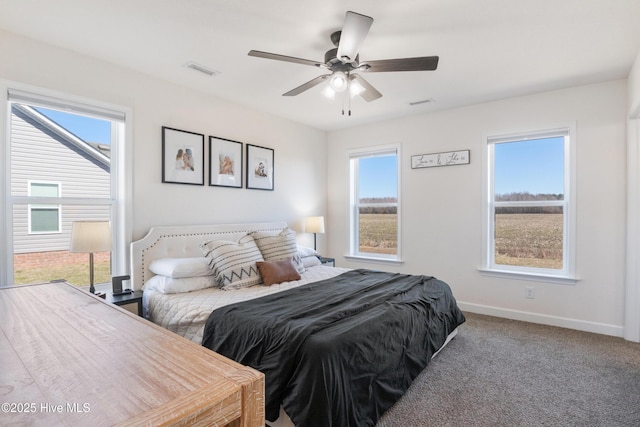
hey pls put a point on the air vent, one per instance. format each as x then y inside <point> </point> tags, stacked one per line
<point>424,101</point>
<point>201,68</point>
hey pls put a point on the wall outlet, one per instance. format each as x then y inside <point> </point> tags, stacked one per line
<point>529,292</point>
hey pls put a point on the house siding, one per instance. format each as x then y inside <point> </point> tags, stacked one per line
<point>33,149</point>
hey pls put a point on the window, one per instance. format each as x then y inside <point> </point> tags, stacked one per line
<point>375,203</point>
<point>57,144</point>
<point>530,210</point>
<point>44,218</point>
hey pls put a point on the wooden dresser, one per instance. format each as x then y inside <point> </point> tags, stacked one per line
<point>69,358</point>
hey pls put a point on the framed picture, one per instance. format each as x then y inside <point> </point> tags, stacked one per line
<point>259,167</point>
<point>182,157</point>
<point>225,162</point>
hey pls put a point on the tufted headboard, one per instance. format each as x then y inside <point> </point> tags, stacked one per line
<point>184,241</point>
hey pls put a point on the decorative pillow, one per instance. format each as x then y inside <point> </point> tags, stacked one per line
<point>279,246</point>
<point>277,271</point>
<point>170,285</point>
<point>181,267</point>
<point>233,263</point>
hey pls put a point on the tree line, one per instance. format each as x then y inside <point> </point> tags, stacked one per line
<point>528,197</point>
<point>378,209</point>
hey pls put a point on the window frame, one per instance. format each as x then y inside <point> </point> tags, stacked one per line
<point>354,205</point>
<point>121,169</point>
<point>566,275</point>
<point>32,206</point>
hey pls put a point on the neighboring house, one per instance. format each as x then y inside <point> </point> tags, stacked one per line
<point>82,170</point>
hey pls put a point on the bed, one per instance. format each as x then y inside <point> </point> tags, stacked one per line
<point>337,346</point>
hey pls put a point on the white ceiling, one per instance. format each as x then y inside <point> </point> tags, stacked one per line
<point>489,49</point>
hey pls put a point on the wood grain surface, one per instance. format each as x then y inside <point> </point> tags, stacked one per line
<point>70,358</point>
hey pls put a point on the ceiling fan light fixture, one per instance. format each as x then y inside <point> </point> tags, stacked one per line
<point>355,88</point>
<point>339,82</point>
<point>328,92</point>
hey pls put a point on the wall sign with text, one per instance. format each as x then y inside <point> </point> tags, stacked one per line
<point>449,158</point>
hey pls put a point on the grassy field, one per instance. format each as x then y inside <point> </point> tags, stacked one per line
<point>378,233</point>
<point>77,274</point>
<point>528,240</point>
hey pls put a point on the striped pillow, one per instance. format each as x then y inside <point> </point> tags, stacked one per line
<point>278,246</point>
<point>234,263</point>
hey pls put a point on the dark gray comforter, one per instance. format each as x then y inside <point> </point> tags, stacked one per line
<point>341,351</point>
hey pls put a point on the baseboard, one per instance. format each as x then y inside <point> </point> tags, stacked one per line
<point>543,319</point>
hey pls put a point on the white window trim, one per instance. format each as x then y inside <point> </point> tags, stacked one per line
<point>122,233</point>
<point>43,205</point>
<point>567,275</point>
<point>354,253</point>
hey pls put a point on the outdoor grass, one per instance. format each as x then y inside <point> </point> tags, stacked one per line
<point>76,274</point>
<point>528,240</point>
<point>378,233</point>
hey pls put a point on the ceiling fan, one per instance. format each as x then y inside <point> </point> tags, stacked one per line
<point>343,61</point>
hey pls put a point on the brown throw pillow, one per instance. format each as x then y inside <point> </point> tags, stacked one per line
<point>277,271</point>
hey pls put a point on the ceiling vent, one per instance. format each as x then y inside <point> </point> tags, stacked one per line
<point>424,101</point>
<point>201,68</point>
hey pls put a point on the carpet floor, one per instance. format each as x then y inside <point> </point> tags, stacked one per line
<point>500,372</point>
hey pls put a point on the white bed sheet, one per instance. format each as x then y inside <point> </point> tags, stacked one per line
<point>187,313</point>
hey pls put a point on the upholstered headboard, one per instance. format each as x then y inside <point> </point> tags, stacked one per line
<point>184,241</point>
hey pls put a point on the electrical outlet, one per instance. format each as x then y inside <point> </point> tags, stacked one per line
<point>529,292</point>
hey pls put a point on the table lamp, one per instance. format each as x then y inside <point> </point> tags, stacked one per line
<point>89,237</point>
<point>314,224</point>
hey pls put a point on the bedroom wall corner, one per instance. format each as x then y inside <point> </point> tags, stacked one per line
<point>632,295</point>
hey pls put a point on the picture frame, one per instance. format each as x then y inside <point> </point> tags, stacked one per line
<point>225,163</point>
<point>260,168</point>
<point>449,158</point>
<point>182,157</point>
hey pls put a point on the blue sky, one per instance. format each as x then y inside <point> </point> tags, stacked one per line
<point>378,177</point>
<point>87,128</point>
<point>535,166</point>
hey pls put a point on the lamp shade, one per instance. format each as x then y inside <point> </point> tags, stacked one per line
<point>90,236</point>
<point>314,224</point>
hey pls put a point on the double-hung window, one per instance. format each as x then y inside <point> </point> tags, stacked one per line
<point>375,203</point>
<point>530,209</point>
<point>44,218</point>
<point>66,163</point>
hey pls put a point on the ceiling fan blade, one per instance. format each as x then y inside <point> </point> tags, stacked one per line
<point>277,57</point>
<point>306,86</point>
<point>370,93</point>
<point>354,31</point>
<point>423,63</point>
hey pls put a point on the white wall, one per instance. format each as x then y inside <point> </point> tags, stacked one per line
<point>632,309</point>
<point>300,151</point>
<point>442,207</point>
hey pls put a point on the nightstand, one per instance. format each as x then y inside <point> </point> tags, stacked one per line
<point>330,262</point>
<point>131,302</point>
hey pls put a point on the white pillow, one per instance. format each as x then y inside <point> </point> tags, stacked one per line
<point>234,263</point>
<point>181,267</point>
<point>310,261</point>
<point>170,285</point>
<point>304,251</point>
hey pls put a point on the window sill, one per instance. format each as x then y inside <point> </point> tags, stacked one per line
<point>545,278</point>
<point>372,259</point>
